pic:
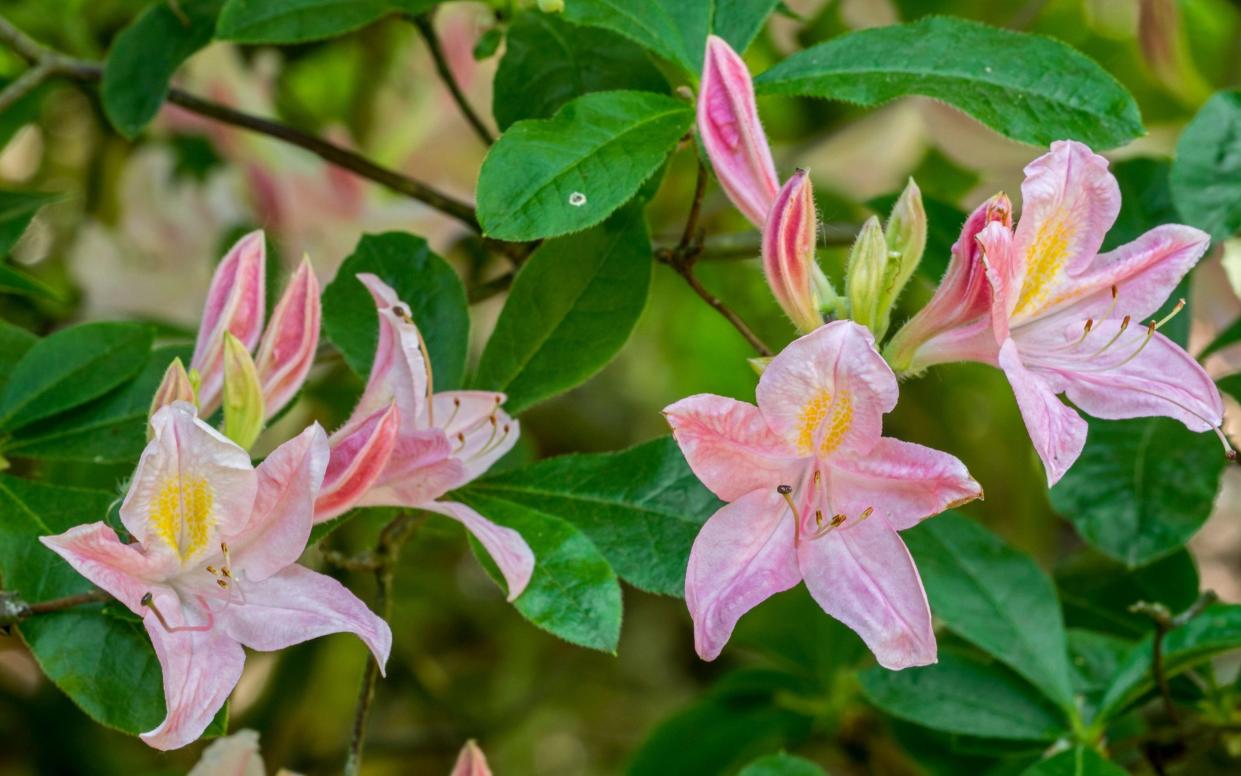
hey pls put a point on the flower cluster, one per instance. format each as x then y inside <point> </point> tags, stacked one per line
<point>814,492</point>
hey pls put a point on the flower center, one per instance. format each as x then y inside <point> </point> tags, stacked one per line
<point>1044,262</point>
<point>814,495</point>
<point>824,422</point>
<point>181,514</point>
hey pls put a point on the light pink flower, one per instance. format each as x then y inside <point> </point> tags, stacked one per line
<point>444,439</point>
<point>1064,318</point>
<point>471,761</point>
<point>213,566</point>
<point>288,346</point>
<point>731,133</point>
<point>816,494</point>
<point>236,303</point>
<point>788,253</point>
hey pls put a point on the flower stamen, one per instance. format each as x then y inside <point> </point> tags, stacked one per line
<point>787,492</point>
<point>148,601</point>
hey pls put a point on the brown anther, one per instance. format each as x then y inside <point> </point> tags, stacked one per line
<point>837,520</point>
<point>1115,292</point>
<point>1151,327</point>
<point>784,490</point>
<point>867,513</point>
<point>226,572</point>
<point>818,517</point>
<point>222,583</point>
<point>1124,323</point>
<point>1089,324</point>
<point>818,475</point>
<point>212,570</point>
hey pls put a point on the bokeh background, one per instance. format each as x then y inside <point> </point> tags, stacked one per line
<point>140,225</point>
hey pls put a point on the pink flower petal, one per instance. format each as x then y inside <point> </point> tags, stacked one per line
<point>732,135</point>
<point>288,482</point>
<point>233,755</point>
<point>125,573</point>
<point>828,391</point>
<point>1057,431</point>
<point>1069,201</point>
<point>743,555</point>
<point>471,762</point>
<point>1003,275</point>
<point>863,575</point>
<point>359,455</point>
<point>400,371</point>
<point>420,469</point>
<point>904,482</point>
<point>789,260</point>
<point>287,350</point>
<point>506,547</point>
<point>297,605</point>
<point>200,669</point>
<point>192,486</point>
<point>236,302</point>
<point>728,445</point>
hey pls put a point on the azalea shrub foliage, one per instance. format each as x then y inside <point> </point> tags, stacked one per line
<point>874,358</point>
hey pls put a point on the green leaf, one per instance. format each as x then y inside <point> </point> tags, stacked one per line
<point>997,76</point>
<point>14,282</point>
<point>1096,592</point>
<point>738,21</point>
<point>1141,488</point>
<point>143,57</point>
<point>744,715</point>
<point>1231,385</point>
<point>1078,761</point>
<point>104,664</point>
<point>14,342</point>
<point>110,429</point>
<point>547,62</point>
<point>674,29</point>
<point>1095,658</point>
<point>71,367</point>
<point>571,308</point>
<point>548,177</point>
<point>782,764</point>
<point>994,597</point>
<point>1215,631</point>
<point>300,21</point>
<point>1206,175</point>
<point>422,280</point>
<point>574,594</point>
<point>17,210</point>
<point>964,694</point>
<point>642,507</point>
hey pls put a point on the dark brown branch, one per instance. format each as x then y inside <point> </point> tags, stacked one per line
<point>490,288</point>
<point>14,610</point>
<point>1164,623</point>
<point>426,27</point>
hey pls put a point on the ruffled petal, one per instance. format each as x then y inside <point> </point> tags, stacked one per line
<point>863,575</point>
<point>510,552</point>
<point>125,573</point>
<point>901,481</point>
<point>400,371</point>
<point>728,445</point>
<point>743,555</point>
<point>1057,431</point>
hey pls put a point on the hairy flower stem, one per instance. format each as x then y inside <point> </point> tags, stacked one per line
<point>387,552</point>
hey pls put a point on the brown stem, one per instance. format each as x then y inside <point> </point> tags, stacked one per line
<point>689,234</point>
<point>387,551</point>
<point>69,601</point>
<point>426,26</point>
<point>724,310</point>
<point>24,84</point>
<point>490,288</point>
<point>1164,623</point>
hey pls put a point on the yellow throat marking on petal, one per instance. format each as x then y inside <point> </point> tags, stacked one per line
<point>181,514</point>
<point>1045,261</point>
<point>833,417</point>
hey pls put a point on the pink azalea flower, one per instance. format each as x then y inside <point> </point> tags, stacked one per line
<point>287,349</point>
<point>1059,317</point>
<point>236,304</point>
<point>815,493</point>
<point>732,135</point>
<point>213,566</point>
<point>443,440</point>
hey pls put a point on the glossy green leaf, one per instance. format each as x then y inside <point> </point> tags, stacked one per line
<point>738,21</point>
<point>14,282</point>
<point>573,594</point>
<point>110,429</point>
<point>1096,592</point>
<point>14,342</point>
<point>1078,761</point>
<point>1230,385</point>
<point>1213,632</point>
<point>642,507</point>
<point>1206,175</point>
<point>143,57</point>
<point>1095,658</point>
<point>999,77</point>
<point>1141,488</point>
<point>71,367</point>
<point>547,62</point>
<point>571,308</point>
<point>995,597</point>
<point>17,210</point>
<point>738,719</point>
<point>104,663</point>
<point>674,29</point>
<point>782,764</point>
<point>548,177</point>
<point>422,280</point>
<point>966,695</point>
<point>300,21</point>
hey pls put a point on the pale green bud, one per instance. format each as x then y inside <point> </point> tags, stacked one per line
<point>243,394</point>
<point>551,6</point>
<point>906,238</point>
<point>865,275</point>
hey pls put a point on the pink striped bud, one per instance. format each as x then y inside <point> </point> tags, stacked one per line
<point>359,455</point>
<point>288,347</point>
<point>471,761</point>
<point>175,386</point>
<point>788,253</point>
<point>235,304</point>
<point>732,135</point>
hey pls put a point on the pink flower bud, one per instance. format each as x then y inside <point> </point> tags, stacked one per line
<point>175,386</point>
<point>732,135</point>
<point>288,347</point>
<point>788,252</point>
<point>359,454</point>
<point>235,304</point>
<point>471,762</point>
<point>959,312</point>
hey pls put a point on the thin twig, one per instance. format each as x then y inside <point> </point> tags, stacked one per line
<point>689,235</point>
<point>1164,623</point>
<point>387,551</point>
<point>724,310</point>
<point>69,601</point>
<point>24,84</point>
<point>490,288</point>
<point>426,26</point>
